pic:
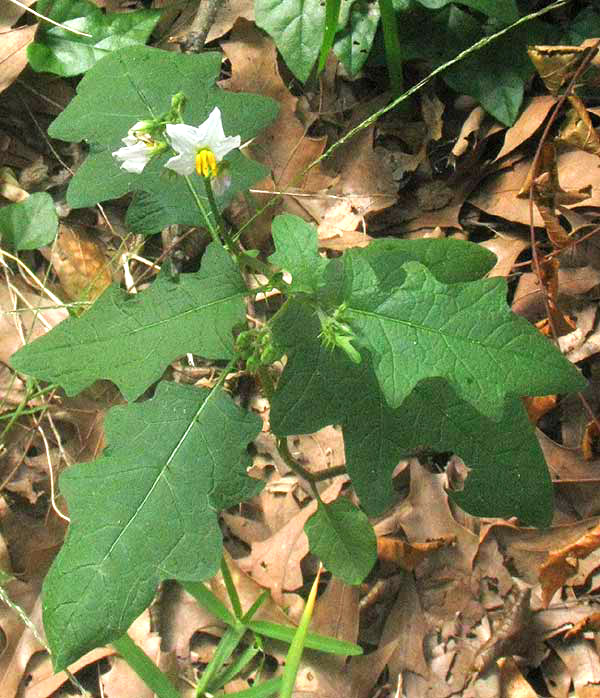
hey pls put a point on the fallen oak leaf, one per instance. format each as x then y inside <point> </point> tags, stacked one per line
<point>591,622</point>
<point>563,563</point>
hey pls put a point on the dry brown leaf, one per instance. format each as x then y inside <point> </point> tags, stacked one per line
<point>591,622</point>
<point>498,194</point>
<point>582,663</point>
<point>527,549</point>
<point>393,553</point>
<point>562,563</point>
<point>80,262</point>
<point>19,642</point>
<point>406,613</point>
<point>507,247</point>
<point>577,130</point>
<point>537,407</point>
<point>471,125</point>
<point>567,463</point>
<point>514,684</point>
<point>28,324</point>
<point>531,118</point>
<point>275,562</point>
<point>121,681</point>
<point>556,65</point>
<point>589,444</point>
<point>13,54</point>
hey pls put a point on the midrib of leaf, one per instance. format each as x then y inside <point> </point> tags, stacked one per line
<point>161,473</point>
<point>136,88</point>
<point>381,317</point>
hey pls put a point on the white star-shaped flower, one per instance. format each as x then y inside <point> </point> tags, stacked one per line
<point>201,149</point>
<point>139,148</point>
<point>135,155</point>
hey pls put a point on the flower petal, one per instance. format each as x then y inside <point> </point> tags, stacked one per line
<point>134,157</point>
<point>226,145</point>
<point>184,164</point>
<point>183,138</point>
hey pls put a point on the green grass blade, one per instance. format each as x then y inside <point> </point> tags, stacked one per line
<point>145,668</point>
<point>294,655</point>
<point>236,668</point>
<point>231,590</point>
<point>314,641</point>
<point>209,601</point>
<point>225,649</point>
<point>332,13</point>
<point>247,617</point>
<point>264,689</point>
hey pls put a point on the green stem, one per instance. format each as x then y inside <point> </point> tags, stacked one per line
<point>393,53</point>
<point>212,202</point>
<point>145,668</point>
<point>214,233</point>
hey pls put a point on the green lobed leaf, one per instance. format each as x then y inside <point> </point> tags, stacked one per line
<point>297,27</point>
<point>353,44</point>
<point>464,332</point>
<point>319,387</point>
<point>145,511</point>
<point>130,339</point>
<point>29,224</point>
<point>141,81</point>
<point>297,253</point>
<point>64,53</point>
<point>341,536</point>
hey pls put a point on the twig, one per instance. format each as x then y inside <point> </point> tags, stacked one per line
<point>203,21</point>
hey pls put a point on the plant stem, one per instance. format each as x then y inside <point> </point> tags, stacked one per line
<point>210,195</point>
<point>393,54</point>
<point>145,668</point>
<point>200,206</point>
<point>311,478</point>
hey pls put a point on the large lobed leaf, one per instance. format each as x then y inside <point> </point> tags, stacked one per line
<point>318,387</point>
<point>140,82</point>
<point>462,332</point>
<point>130,339</point>
<point>145,511</point>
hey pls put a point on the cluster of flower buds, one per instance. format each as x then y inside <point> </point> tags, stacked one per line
<point>200,149</point>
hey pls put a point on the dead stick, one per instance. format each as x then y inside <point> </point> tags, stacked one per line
<point>203,21</point>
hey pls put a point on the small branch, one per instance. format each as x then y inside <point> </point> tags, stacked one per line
<point>203,21</point>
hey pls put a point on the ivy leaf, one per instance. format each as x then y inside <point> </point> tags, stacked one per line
<point>29,224</point>
<point>462,332</point>
<point>341,536</point>
<point>61,52</point>
<point>145,511</point>
<point>318,387</point>
<point>297,252</point>
<point>130,339</point>
<point>297,27</point>
<point>141,81</point>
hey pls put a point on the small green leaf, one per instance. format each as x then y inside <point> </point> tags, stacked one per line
<point>141,82</point>
<point>297,253</point>
<point>297,26</point>
<point>353,44</point>
<point>130,339</point>
<point>30,224</point>
<point>341,536</point>
<point>64,53</point>
<point>146,510</point>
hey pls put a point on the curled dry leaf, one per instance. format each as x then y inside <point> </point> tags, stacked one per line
<point>563,563</point>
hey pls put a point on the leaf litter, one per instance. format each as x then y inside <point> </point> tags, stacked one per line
<point>455,605</point>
